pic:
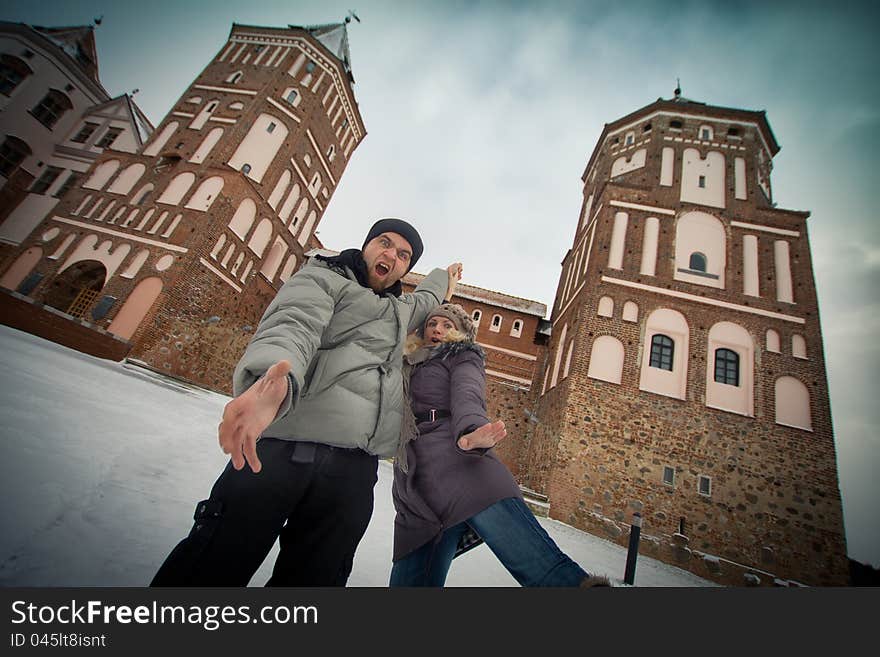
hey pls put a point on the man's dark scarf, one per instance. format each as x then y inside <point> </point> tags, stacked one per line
<point>354,260</point>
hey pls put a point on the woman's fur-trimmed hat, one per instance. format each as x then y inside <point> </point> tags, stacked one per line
<point>458,316</point>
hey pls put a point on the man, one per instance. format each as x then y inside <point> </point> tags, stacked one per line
<point>318,400</point>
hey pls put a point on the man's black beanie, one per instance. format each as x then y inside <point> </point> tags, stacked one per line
<point>403,229</point>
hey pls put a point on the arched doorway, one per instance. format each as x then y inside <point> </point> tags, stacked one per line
<point>76,289</point>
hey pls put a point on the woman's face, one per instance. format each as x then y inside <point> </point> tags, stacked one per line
<point>436,329</point>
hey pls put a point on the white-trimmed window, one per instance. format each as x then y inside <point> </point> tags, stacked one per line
<point>706,133</point>
<point>496,323</point>
<point>516,329</point>
<point>477,315</point>
<point>235,78</point>
<point>704,485</point>
<point>315,184</point>
<point>630,139</point>
<point>291,96</point>
<point>669,475</point>
<point>798,346</point>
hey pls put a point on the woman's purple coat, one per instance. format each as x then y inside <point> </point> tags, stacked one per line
<point>446,485</point>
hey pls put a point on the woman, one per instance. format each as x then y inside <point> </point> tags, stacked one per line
<point>450,491</point>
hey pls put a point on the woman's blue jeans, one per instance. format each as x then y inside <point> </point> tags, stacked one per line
<point>512,532</point>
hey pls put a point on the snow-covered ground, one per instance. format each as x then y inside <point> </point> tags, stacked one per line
<point>103,464</point>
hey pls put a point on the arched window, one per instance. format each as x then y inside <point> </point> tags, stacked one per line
<point>606,359</point>
<point>12,72</point>
<point>496,323</point>
<point>798,346</point>
<point>206,194</point>
<point>476,316</point>
<point>206,146</point>
<point>221,242</point>
<point>567,367</point>
<point>662,351</point>
<point>288,205</point>
<point>243,218</point>
<point>606,307</point>
<point>291,96</point>
<point>280,187</point>
<point>630,312</point>
<point>331,153</point>
<point>12,153</point>
<point>177,188</point>
<point>772,341</point>
<point>102,173</point>
<point>142,194</point>
<point>697,262</point>
<point>727,367</point>
<point>793,403</point>
<point>159,142</point>
<point>203,116</point>
<point>700,249</point>
<point>315,185</point>
<point>288,268</point>
<point>51,108</point>
<point>307,228</point>
<point>516,329</point>
<point>235,77</point>
<point>127,179</point>
<point>260,239</point>
<point>260,146</point>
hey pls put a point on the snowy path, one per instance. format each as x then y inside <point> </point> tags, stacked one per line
<point>103,466</point>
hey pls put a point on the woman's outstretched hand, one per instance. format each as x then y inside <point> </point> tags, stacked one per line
<point>487,435</point>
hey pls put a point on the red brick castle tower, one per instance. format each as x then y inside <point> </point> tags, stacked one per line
<point>177,248</point>
<point>685,378</point>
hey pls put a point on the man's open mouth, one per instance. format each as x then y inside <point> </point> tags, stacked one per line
<point>381,269</point>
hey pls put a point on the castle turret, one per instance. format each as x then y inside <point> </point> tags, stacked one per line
<point>685,379</point>
<point>177,248</point>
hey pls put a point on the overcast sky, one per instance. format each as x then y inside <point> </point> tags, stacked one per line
<point>481,117</point>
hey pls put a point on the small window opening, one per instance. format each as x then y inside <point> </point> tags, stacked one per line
<point>727,367</point>
<point>697,262</point>
<point>705,485</point>
<point>662,350</point>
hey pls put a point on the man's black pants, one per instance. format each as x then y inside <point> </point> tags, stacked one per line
<point>317,498</point>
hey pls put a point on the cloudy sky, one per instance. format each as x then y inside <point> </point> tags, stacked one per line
<point>481,117</point>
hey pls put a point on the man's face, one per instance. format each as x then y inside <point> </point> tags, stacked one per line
<point>387,257</point>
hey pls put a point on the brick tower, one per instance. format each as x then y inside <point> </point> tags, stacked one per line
<point>178,248</point>
<point>685,378</point>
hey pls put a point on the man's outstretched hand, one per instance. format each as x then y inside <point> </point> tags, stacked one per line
<point>248,415</point>
<point>487,435</point>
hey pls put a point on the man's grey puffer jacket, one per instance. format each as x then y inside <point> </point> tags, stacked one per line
<point>345,345</point>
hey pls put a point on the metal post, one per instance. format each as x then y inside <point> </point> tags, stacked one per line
<point>633,551</point>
